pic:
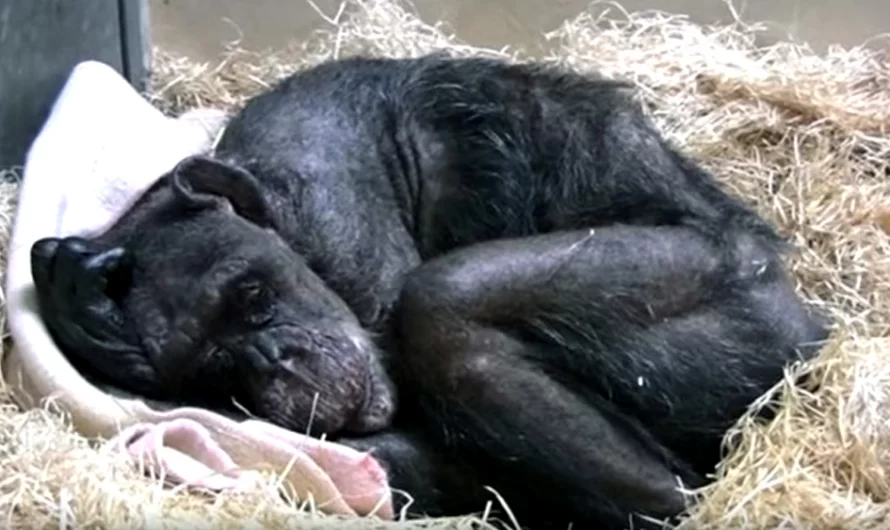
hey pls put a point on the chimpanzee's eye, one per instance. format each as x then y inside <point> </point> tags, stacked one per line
<point>251,292</point>
<point>254,301</point>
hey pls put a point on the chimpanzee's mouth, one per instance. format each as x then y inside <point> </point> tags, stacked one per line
<point>329,371</point>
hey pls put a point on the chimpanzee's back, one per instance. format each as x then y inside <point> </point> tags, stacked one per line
<point>467,150</point>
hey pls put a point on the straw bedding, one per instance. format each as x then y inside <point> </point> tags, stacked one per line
<point>802,136</point>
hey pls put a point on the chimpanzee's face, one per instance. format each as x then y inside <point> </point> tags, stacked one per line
<point>220,294</point>
<point>222,306</point>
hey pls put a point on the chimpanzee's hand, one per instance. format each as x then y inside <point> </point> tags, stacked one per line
<point>74,279</point>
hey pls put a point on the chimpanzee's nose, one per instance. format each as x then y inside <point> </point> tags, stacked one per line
<point>263,354</point>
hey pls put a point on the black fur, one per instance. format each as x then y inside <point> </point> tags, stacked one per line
<point>572,311</point>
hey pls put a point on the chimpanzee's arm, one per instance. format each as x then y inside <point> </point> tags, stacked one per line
<point>360,248</point>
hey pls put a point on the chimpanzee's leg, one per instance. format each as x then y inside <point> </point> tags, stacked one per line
<point>566,357</point>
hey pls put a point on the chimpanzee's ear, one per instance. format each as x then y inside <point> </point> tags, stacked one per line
<point>200,175</point>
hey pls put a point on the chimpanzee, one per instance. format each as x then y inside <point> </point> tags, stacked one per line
<point>572,311</point>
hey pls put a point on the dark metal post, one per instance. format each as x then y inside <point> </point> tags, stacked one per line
<point>42,40</point>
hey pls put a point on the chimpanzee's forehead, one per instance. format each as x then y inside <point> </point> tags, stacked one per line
<point>186,272</point>
<point>205,239</point>
<point>179,258</point>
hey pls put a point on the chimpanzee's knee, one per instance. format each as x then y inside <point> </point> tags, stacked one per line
<point>436,327</point>
<point>783,315</point>
<point>793,326</point>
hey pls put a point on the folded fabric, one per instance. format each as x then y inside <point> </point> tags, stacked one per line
<point>101,147</point>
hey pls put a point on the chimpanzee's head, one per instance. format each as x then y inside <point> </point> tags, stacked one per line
<point>197,281</point>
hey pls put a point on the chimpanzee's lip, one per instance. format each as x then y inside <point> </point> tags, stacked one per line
<point>377,408</point>
<point>369,393</point>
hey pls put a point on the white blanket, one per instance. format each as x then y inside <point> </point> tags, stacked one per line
<point>100,148</point>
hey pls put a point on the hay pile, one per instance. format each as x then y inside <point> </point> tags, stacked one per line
<point>802,136</point>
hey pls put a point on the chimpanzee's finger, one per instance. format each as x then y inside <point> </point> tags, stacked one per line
<point>67,268</point>
<point>76,299</point>
<point>43,254</point>
<point>108,354</point>
<point>90,267</point>
<point>101,316</point>
<point>70,276</point>
<point>93,276</point>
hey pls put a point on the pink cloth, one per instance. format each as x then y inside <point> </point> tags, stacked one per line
<point>183,451</point>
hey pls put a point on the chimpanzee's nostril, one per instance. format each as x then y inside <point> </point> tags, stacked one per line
<point>262,354</point>
<point>255,358</point>
<point>269,349</point>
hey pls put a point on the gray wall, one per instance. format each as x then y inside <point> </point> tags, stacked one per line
<point>198,27</point>
<point>41,40</point>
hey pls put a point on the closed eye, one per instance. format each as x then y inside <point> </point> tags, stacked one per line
<point>253,302</point>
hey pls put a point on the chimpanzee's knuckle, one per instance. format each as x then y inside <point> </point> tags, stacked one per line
<point>44,249</point>
<point>75,246</point>
<point>42,254</point>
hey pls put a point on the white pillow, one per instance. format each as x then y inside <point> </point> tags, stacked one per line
<point>100,148</point>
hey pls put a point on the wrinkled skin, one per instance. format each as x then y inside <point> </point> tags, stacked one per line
<point>573,313</point>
